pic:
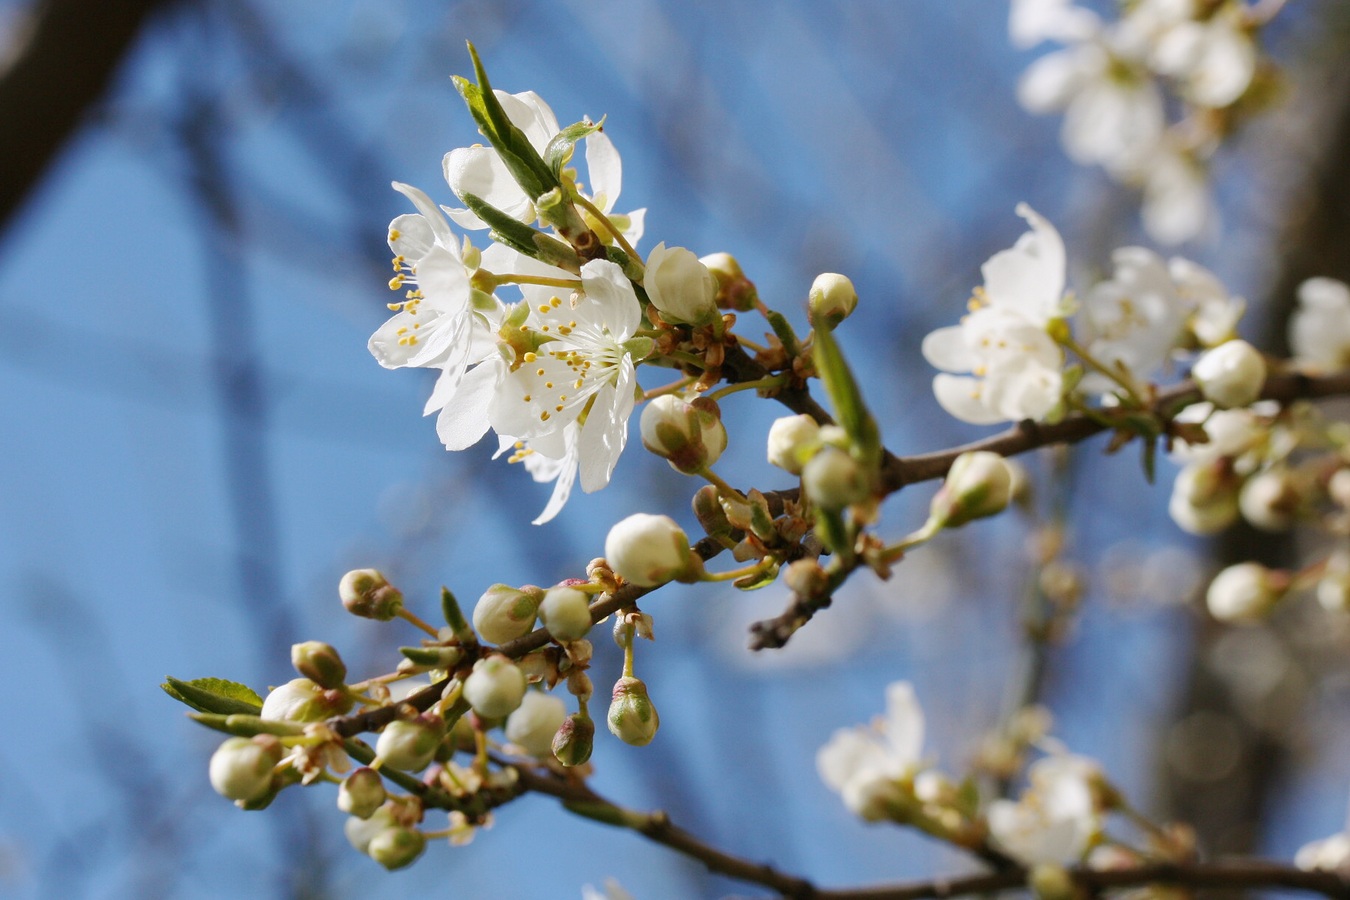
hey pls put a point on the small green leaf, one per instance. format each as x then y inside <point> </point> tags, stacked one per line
<point>214,695</point>
<point>783,329</point>
<point>521,237</point>
<point>524,163</point>
<point>847,399</point>
<point>559,150</point>
<point>758,580</point>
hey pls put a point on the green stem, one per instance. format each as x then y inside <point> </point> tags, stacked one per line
<point>609,226</point>
<point>762,566</point>
<point>1119,377</point>
<point>412,618</point>
<point>771,381</point>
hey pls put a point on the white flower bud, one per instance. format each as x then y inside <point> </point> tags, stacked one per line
<point>396,847</point>
<point>680,287</point>
<point>1245,592</point>
<point>241,768</point>
<point>366,593</point>
<point>632,716</point>
<point>650,550</point>
<point>320,663</point>
<point>495,687</point>
<point>410,745</point>
<point>792,441</point>
<point>1204,499</point>
<point>360,831</point>
<point>566,613</point>
<point>535,722</point>
<point>504,613</point>
<point>301,700</point>
<point>1270,500</point>
<point>832,300</point>
<point>833,479</point>
<point>690,436</point>
<point>734,290</point>
<point>1230,375</point>
<point>361,793</point>
<point>1338,488</point>
<point>1330,854</point>
<point>978,484</point>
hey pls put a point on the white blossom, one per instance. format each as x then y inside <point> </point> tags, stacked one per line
<point>1134,319</point>
<point>864,764</point>
<point>1319,331</point>
<point>1055,817</point>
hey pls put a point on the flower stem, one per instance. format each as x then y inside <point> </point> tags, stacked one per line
<point>515,278</point>
<point>609,226</point>
<point>673,388</point>
<point>1119,377</point>
<point>722,486</point>
<point>769,381</point>
<point>411,617</point>
<point>755,569</point>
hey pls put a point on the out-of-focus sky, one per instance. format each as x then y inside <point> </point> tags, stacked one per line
<point>197,443</point>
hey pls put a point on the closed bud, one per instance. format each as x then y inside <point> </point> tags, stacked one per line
<point>360,832</point>
<point>689,436</point>
<point>708,510</point>
<point>396,847</point>
<point>410,745</point>
<point>1270,500</point>
<point>649,550</point>
<point>495,687</point>
<point>1230,375</point>
<point>832,300</point>
<point>1204,497</point>
<point>535,722</point>
<point>833,479</point>
<point>566,613</point>
<point>734,290</point>
<point>1338,488</point>
<point>241,768</point>
<point>978,485</point>
<point>1245,592</point>
<point>632,716</point>
<point>1333,588</point>
<point>361,793</point>
<point>366,593</point>
<point>301,700</point>
<point>573,743</point>
<point>320,663</point>
<point>680,287</point>
<point>792,441</point>
<point>505,613</point>
<point>1051,882</point>
<point>806,578</point>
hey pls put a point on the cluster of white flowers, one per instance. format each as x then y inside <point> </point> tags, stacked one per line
<point>1112,81</point>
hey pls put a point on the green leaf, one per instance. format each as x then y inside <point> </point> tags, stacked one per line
<point>783,329</point>
<point>521,237</point>
<point>559,150</point>
<point>214,695</point>
<point>524,163</point>
<point>758,580</point>
<point>242,725</point>
<point>847,399</point>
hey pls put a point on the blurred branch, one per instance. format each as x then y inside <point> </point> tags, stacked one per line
<point>66,66</point>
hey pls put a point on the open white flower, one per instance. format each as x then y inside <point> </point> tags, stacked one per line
<point>1015,365</point>
<point>1134,319</point>
<point>1215,59</point>
<point>1055,817</point>
<point>865,764</point>
<point>1033,21</point>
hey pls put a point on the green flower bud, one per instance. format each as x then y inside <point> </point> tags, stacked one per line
<point>495,687</point>
<point>832,300</point>
<point>410,745</point>
<point>689,436</point>
<point>366,593</point>
<point>978,485</point>
<point>709,512</point>
<point>396,847</point>
<point>792,441</point>
<point>1051,882</point>
<point>535,722</point>
<point>320,663</point>
<point>301,700</point>
<point>573,743</point>
<point>361,793</point>
<point>632,716</point>
<point>505,613</point>
<point>833,479</point>
<point>241,768</point>
<point>650,550</point>
<point>566,613</point>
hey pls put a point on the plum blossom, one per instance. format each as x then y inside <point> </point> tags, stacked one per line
<point>865,764</point>
<point>1134,318</point>
<point>1015,365</point>
<point>1056,816</point>
<point>1319,331</point>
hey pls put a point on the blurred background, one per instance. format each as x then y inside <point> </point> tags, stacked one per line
<point>196,443</point>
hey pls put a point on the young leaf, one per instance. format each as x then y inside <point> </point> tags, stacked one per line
<point>847,399</point>
<point>559,150</point>
<point>524,163</point>
<point>214,695</point>
<point>521,237</point>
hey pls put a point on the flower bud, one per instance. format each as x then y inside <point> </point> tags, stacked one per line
<point>1245,592</point>
<point>241,768</point>
<point>320,663</point>
<point>367,594</point>
<point>301,700</point>
<point>978,485</point>
<point>566,613</point>
<point>650,550</point>
<point>495,687</point>
<point>505,613</point>
<point>1230,375</point>
<point>361,793</point>
<point>1271,499</point>
<point>1051,882</point>
<point>806,578</point>
<point>792,441</point>
<point>632,716</point>
<point>410,745</point>
<point>708,510</point>
<point>1204,498</point>
<point>535,722</point>
<point>734,290</point>
<point>574,740</point>
<point>680,287</point>
<point>689,436</point>
<point>832,300</point>
<point>396,847</point>
<point>1333,588</point>
<point>360,832</point>
<point>833,479</point>
<point>1338,488</point>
